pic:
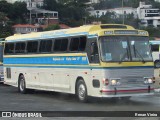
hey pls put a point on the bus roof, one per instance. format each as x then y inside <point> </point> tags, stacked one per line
<point>82,30</point>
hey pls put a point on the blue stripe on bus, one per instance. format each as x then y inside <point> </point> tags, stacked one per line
<point>55,60</point>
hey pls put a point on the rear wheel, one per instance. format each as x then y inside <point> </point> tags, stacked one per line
<point>82,91</point>
<point>22,85</point>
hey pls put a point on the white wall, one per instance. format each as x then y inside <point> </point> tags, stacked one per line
<point>117,11</point>
<point>95,1</point>
<point>157,0</point>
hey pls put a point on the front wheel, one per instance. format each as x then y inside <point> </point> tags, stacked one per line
<point>22,85</point>
<point>82,91</point>
<point>157,64</point>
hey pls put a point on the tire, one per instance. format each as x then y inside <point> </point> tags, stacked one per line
<point>22,85</point>
<point>157,64</point>
<point>81,91</point>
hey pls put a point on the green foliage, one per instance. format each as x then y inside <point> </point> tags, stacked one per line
<point>19,12</point>
<point>51,5</point>
<point>69,10</point>
<point>15,11</point>
<point>52,27</point>
<point>5,31</point>
<point>111,17</point>
<point>2,17</point>
<point>11,14</point>
<point>153,32</point>
<point>6,7</point>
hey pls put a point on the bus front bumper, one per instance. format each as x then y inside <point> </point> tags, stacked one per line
<point>125,93</point>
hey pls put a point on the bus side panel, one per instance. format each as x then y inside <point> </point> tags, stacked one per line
<point>11,76</point>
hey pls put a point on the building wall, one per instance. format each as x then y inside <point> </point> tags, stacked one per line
<point>33,4</point>
<point>12,1</point>
<point>148,15</point>
<point>117,11</point>
<point>94,1</point>
<point>24,30</point>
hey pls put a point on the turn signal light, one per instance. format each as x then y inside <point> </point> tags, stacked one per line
<point>105,81</point>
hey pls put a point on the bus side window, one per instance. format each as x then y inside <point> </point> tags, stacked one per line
<point>20,47</point>
<point>78,44</point>
<point>9,48</point>
<point>155,48</point>
<point>60,45</point>
<point>32,46</point>
<point>94,57</point>
<point>45,46</point>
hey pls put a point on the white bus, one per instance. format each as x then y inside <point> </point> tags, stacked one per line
<point>108,60</point>
<point>1,60</point>
<point>155,47</point>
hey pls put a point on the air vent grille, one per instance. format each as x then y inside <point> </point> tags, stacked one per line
<point>113,26</point>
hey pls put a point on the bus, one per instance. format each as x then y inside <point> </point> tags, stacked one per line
<point>106,60</point>
<point>1,60</point>
<point>155,47</point>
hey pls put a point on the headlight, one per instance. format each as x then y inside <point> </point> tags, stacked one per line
<point>148,80</point>
<point>115,81</point>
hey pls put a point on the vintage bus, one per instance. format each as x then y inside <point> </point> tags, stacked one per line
<point>155,47</point>
<point>106,60</point>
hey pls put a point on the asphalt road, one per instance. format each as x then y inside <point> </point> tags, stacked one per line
<point>11,100</point>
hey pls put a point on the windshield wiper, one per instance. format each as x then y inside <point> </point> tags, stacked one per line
<point>124,56</point>
<point>136,51</point>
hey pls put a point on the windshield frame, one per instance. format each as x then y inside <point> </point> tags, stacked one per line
<point>129,47</point>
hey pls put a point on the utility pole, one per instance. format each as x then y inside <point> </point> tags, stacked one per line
<point>30,17</point>
<point>85,20</point>
<point>122,13</point>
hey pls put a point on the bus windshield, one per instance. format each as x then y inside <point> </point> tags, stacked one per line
<point>123,48</point>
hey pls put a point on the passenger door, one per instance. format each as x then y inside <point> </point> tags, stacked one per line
<point>95,74</point>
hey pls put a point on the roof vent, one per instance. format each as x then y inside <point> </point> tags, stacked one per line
<point>113,26</point>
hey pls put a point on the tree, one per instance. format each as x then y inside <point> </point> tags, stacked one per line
<point>109,17</point>
<point>153,32</point>
<point>69,10</point>
<point>52,27</point>
<point>51,5</point>
<point>6,29</point>
<point>19,12</point>
<point>15,12</point>
<point>3,18</point>
<point>6,8</point>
